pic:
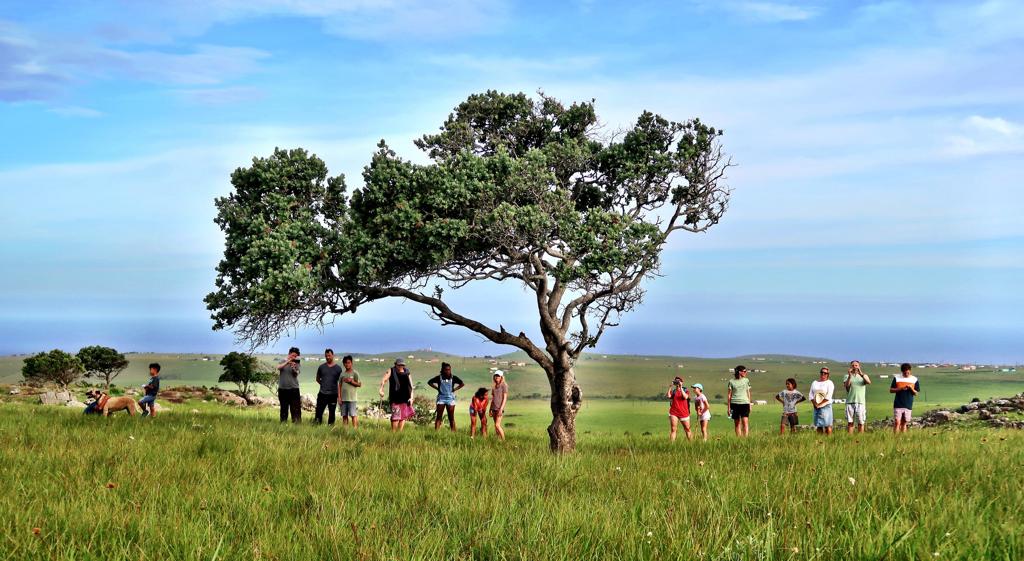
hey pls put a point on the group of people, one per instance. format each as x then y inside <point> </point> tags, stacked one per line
<point>341,383</point>
<point>738,400</point>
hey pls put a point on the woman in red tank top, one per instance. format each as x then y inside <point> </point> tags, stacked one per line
<point>679,408</point>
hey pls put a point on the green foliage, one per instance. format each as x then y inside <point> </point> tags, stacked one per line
<point>55,366</point>
<point>244,370</point>
<point>103,362</point>
<point>515,184</point>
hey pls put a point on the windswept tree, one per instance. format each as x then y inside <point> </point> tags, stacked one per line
<point>519,189</point>
<point>244,370</point>
<point>56,367</point>
<point>102,362</point>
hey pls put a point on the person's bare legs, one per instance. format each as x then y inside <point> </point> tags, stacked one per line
<point>746,426</point>
<point>686,427</point>
<point>672,428</point>
<point>849,428</point>
<point>451,416</point>
<point>438,413</point>
<point>704,430</point>
<point>782,425</point>
<point>498,429</point>
<point>472,425</point>
<point>394,425</point>
<point>483,425</point>
<point>736,426</point>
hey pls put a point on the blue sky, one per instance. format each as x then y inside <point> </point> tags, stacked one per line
<point>877,204</point>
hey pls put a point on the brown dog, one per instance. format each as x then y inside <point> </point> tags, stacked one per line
<point>118,404</point>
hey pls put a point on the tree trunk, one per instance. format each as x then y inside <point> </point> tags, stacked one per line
<point>566,399</point>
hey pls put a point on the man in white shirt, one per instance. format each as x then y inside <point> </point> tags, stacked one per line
<point>821,400</point>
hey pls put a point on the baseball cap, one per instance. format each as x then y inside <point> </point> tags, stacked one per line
<point>498,373</point>
<point>399,362</point>
<point>698,386</point>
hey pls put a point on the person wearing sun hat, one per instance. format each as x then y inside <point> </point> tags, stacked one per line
<point>702,408</point>
<point>399,381</point>
<point>499,396</point>
<point>679,408</point>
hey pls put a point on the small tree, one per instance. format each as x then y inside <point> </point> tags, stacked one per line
<point>55,366</point>
<point>522,191</point>
<point>243,370</point>
<point>102,362</point>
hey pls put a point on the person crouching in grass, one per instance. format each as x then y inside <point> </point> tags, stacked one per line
<point>789,397</point>
<point>679,408</point>
<point>905,386</point>
<point>478,410</point>
<point>700,403</point>
<point>148,402</point>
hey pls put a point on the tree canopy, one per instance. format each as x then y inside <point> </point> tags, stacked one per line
<point>244,370</point>
<point>56,367</point>
<point>103,362</point>
<point>518,189</point>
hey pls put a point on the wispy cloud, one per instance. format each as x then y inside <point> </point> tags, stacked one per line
<point>771,12</point>
<point>981,136</point>
<point>76,111</point>
<point>221,96</point>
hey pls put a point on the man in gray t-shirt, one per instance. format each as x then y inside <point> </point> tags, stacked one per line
<point>288,387</point>
<point>327,375</point>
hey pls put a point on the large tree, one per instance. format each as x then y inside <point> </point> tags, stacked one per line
<point>55,366</point>
<point>518,189</point>
<point>102,362</point>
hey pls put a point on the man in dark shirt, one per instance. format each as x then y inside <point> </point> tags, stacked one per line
<point>148,402</point>
<point>327,375</point>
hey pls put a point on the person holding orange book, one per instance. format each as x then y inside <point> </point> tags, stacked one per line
<point>905,386</point>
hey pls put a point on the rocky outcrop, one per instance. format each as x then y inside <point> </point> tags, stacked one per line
<point>1000,413</point>
<point>229,398</point>
<point>308,402</point>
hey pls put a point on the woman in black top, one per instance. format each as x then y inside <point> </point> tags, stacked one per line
<point>399,381</point>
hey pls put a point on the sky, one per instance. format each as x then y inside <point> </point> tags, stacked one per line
<point>877,196</point>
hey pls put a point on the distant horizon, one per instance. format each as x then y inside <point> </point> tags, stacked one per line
<point>459,346</point>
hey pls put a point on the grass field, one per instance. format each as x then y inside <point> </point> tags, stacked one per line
<point>234,484</point>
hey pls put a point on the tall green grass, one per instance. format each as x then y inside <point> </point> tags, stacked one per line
<point>231,485</point>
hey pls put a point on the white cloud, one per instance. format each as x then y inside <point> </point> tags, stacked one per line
<point>980,136</point>
<point>76,111</point>
<point>771,12</point>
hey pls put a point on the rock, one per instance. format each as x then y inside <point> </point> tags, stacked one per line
<point>15,391</point>
<point>229,398</point>
<point>48,398</point>
<point>63,397</point>
<point>74,403</point>
<point>161,408</point>
<point>258,401</point>
<point>984,415</point>
<point>308,402</point>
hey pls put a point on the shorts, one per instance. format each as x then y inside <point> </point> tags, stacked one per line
<point>705,417</point>
<point>496,412</point>
<point>448,401</point>
<point>685,419</point>
<point>740,410</point>
<point>148,399</point>
<point>856,413</point>
<point>899,412</point>
<point>349,408</point>
<point>823,417</point>
<point>792,418</point>
<point>401,412</point>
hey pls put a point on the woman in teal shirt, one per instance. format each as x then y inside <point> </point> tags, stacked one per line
<point>737,401</point>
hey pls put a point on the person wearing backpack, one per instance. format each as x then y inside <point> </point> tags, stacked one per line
<point>400,395</point>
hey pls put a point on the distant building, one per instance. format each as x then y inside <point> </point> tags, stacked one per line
<point>760,402</point>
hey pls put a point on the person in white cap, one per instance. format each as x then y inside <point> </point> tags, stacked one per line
<point>703,408</point>
<point>499,396</point>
